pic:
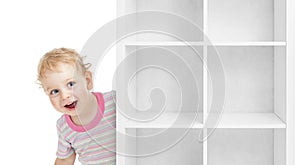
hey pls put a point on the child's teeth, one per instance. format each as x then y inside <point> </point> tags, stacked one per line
<point>71,105</point>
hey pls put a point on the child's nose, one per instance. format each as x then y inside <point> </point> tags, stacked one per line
<point>66,94</point>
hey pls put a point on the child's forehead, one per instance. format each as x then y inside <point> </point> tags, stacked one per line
<point>62,70</point>
<point>62,67</point>
<point>60,75</point>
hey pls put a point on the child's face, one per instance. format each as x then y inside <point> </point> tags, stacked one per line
<point>68,89</point>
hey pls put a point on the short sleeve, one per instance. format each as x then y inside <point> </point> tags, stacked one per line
<point>64,148</point>
<point>113,94</point>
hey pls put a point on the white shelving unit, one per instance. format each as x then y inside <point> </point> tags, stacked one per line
<point>254,41</point>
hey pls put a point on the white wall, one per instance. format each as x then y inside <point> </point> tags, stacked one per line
<point>27,30</point>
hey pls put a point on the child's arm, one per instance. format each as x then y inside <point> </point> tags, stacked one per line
<point>68,161</point>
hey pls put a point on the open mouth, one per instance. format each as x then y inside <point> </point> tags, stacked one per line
<point>71,106</point>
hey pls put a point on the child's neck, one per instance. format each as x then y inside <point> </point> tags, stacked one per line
<point>90,113</point>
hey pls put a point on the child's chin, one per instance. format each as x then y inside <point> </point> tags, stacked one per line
<point>71,112</point>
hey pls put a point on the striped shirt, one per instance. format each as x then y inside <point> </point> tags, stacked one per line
<point>94,143</point>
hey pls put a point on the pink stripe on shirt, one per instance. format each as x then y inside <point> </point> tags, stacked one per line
<point>95,121</point>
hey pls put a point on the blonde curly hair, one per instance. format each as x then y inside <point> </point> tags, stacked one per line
<point>53,58</point>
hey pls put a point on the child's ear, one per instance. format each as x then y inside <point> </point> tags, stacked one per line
<point>89,80</point>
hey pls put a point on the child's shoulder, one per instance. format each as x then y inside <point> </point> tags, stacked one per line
<point>61,121</point>
<point>109,95</point>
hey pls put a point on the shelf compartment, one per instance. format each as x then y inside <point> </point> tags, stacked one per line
<point>175,71</point>
<point>189,10</point>
<point>250,120</point>
<point>246,20</point>
<point>167,120</point>
<point>250,77</point>
<point>246,146</point>
<point>175,145</point>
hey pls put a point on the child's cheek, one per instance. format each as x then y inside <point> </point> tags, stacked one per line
<point>80,91</point>
<point>54,103</point>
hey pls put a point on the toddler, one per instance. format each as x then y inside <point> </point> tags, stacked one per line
<point>87,126</point>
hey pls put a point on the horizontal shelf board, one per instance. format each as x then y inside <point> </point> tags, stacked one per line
<point>248,43</point>
<point>167,120</point>
<point>250,120</point>
<point>227,120</point>
<point>162,43</point>
<point>165,43</point>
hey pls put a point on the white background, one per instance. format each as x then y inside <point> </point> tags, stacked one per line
<point>30,28</point>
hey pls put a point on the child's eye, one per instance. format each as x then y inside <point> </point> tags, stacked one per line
<point>71,84</point>
<point>54,92</point>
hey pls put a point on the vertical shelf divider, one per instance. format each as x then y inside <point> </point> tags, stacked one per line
<point>205,81</point>
<point>120,142</point>
<point>290,86</point>
<point>205,106</point>
<point>123,8</point>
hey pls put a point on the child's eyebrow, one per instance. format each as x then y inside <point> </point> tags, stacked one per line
<point>69,79</point>
<point>47,89</point>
